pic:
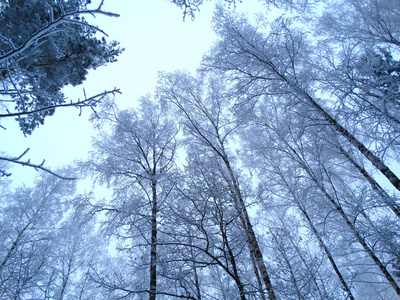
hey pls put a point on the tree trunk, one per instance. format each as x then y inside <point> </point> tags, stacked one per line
<point>66,279</point>
<point>14,245</point>
<point>328,253</point>
<point>251,237</point>
<point>378,163</point>
<point>374,184</point>
<point>359,238</point>
<point>153,246</point>
<point>232,261</point>
<point>257,274</point>
<point>317,235</point>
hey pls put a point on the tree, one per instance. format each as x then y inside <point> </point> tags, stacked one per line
<point>136,160</point>
<point>208,233</point>
<point>28,236</point>
<point>45,46</point>
<point>301,159</point>
<point>280,63</point>
<point>204,107</point>
<point>77,248</point>
<point>190,7</point>
<point>360,70</point>
<point>296,195</point>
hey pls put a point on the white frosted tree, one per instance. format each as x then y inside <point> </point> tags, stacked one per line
<point>291,155</point>
<point>278,59</point>
<point>29,220</point>
<point>208,233</point>
<point>135,160</point>
<point>45,46</point>
<point>203,105</point>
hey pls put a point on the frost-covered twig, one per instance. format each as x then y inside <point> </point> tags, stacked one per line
<point>17,160</point>
<point>87,102</point>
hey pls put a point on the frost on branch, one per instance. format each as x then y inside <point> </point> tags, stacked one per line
<point>45,46</point>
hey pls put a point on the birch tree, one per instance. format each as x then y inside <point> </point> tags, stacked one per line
<point>209,233</point>
<point>314,170</point>
<point>280,62</point>
<point>29,216</point>
<point>135,159</point>
<point>203,106</point>
<point>358,66</point>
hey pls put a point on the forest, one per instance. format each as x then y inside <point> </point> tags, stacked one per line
<point>272,172</point>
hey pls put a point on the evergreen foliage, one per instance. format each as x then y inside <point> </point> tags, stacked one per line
<point>45,46</point>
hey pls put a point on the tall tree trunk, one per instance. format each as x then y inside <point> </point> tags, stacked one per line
<point>14,245</point>
<point>316,233</point>
<point>327,252</point>
<point>377,261</point>
<point>257,274</point>
<point>378,163</point>
<point>153,246</point>
<point>66,278</point>
<point>374,184</point>
<point>251,237</point>
<point>232,261</point>
<point>251,250</point>
<point>352,228</point>
<point>83,287</point>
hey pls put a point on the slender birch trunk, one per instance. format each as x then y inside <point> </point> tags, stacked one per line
<point>153,246</point>
<point>317,235</point>
<point>257,274</point>
<point>251,237</point>
<point>374,184</point>
<point>377,261</point>
<point>232,261</point>
<point>66,279</point>
<point>352,228</point>
<point>376,161</point>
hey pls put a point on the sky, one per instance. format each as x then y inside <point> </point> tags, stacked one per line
<point>155,38</point>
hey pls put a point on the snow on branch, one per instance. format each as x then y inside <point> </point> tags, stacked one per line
<point>87,102</point>
<point>52,27</point>
<point>18,160</point>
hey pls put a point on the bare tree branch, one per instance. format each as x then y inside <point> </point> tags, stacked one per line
<point>17,160</point>
<point>87,102</point>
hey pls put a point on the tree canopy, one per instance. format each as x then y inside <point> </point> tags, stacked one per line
<point>271,173</point>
